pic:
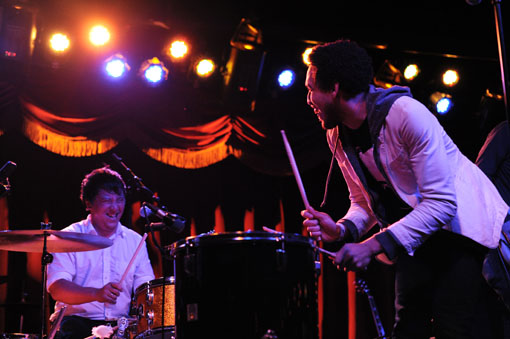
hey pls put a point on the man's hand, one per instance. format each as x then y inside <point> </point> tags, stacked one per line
<point>356,257</point>
<point>319,225</point>
<point>73,294</point>
<point>109,293</point>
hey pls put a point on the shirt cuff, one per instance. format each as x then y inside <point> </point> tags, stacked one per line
<point>390,244</point>
<point>353,235</point>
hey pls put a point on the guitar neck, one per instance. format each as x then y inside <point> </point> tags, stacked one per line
<point>377,320</point>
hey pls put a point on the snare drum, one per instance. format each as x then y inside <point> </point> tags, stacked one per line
<point>245,285</point>
<point>154,308</point>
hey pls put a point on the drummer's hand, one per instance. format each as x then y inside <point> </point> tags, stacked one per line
<point>319,225</point>
<point>109,293</point>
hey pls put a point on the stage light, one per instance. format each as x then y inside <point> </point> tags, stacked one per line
<point>154,71</point>
<point>59,42</point>
<point>99,35</point>
<point>388,75</point>
<point>116,66</point>
<point>286,78</point>
<point>204,68</point>
<point>411,72</point>
<point>450,78</point>
<point>441,102</point>
<point>306,56</point>
<point>178,49</point>
<point>243,69</point>
<point>17,32</point>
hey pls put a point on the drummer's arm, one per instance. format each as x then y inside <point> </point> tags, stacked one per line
<point>70,293</point>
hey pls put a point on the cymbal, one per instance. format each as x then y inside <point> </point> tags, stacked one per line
<point>56,241</point>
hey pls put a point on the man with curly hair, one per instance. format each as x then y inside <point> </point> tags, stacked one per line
<point>88,283</point>
<point>438,213</point>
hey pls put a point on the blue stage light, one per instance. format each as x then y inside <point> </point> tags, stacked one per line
<point>286,78</point>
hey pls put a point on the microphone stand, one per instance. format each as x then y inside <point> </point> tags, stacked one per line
<point>502,53</point>
<point>46,259</point>
<point>146,192</point>
<point>149,228</point>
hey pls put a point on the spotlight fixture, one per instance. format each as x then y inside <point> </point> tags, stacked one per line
<point>242,71</point>
<point>116,66</point>
<point>286,78</point>
<point>450,78</point>
<point>153,71</point>
<point>59,42</point>
<point>388,75</point>
<point>442,102</point>
<point>411,72</point>
<point>99,35</point>
<point>205,68</point>
<point>178,49</point>
<point>246,36</point>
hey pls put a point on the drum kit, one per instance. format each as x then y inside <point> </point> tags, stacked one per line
<point>252,284</point>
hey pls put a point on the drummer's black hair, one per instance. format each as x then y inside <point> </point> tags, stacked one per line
<point>101,178</point>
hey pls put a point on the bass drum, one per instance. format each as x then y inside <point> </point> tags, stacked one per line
<point>248,285</point>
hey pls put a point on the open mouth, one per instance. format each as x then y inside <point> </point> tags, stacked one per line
<point>112,216</point>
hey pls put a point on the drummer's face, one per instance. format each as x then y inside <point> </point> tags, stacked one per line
<point>106,210</point>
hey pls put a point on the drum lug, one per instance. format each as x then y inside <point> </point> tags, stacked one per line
<point>149,296</point>
<point>150,318</point>
<point>140,312</point>
<point>270,334</point>
<point>318,267</point>
<point>281,260</point>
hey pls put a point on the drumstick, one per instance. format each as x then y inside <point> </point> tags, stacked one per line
<point>332,255</point>
<point>295,170</point>
<point>133,258</point>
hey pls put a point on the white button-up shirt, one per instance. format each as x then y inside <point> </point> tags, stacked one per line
<point>98,268</point>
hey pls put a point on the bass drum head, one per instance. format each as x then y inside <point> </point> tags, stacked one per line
<point>246,285</point>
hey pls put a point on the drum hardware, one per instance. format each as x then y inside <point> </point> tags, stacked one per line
<point>56,325</point>
<point>270,334</point>
<point>45,241</point>
<point>281,262</point>
<point>122,326</point>
<point>18,336</point>
<point>191,312</point>
<point>5,172</point>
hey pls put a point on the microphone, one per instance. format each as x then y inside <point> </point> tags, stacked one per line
<point>169,220</point>
<point>7,170</point>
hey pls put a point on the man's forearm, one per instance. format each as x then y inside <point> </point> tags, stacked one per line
<point>70,293</point>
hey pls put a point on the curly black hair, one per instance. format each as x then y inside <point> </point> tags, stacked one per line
<point>101,178</point>
<point>343,62</point>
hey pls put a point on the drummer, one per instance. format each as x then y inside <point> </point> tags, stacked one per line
<point>88,282</point>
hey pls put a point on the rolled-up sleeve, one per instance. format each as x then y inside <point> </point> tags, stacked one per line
<point>62,267</point>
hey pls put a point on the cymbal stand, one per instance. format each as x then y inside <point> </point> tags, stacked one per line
<point>46,259</point>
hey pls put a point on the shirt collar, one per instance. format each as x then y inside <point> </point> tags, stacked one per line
<point>89,229</point>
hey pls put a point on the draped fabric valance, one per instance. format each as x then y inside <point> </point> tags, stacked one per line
<point>76,114</point>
